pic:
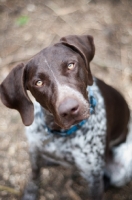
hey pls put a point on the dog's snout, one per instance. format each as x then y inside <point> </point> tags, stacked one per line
<point>69,107</point>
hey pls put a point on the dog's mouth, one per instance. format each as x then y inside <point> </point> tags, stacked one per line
<point>73,121</point>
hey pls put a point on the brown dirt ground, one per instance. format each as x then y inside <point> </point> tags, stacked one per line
<point>110,22</point>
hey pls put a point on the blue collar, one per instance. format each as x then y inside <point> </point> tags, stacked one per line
<point>73,129</point>
<point>92,100</point>
<point>68,132</point>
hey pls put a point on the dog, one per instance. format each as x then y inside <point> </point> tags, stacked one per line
<point>77,120</point>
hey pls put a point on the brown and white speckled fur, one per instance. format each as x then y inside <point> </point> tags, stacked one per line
<point>63,100</point>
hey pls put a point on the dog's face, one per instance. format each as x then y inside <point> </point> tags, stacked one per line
<point>57,77</point>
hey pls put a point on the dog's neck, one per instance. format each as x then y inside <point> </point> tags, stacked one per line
<point>49,120</point>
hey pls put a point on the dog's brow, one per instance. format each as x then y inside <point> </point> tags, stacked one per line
<point>51,70</point>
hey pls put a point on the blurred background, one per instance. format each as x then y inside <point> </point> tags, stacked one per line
<point>28,26</point>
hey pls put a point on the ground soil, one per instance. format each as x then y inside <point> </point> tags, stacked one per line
<point>28,26</point>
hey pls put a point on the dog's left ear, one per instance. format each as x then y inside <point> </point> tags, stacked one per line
<point>85,46</point>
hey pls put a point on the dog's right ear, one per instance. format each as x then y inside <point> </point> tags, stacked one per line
<point>84,44</point>
<point>14,95</point>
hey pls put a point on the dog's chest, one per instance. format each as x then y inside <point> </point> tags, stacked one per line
<point>87,143</point>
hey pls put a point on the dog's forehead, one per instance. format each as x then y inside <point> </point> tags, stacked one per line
<point>58,51</point>
<point>52,57</point>
<point>54,54</point>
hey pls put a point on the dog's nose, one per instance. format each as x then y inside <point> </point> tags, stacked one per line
<point>69,107</point>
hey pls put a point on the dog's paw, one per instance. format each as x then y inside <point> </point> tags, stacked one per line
<point>107,182</point>
<point>31,191</point>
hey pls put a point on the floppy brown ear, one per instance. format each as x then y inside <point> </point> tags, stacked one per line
<point>85,45</point>
<point>13,94</point>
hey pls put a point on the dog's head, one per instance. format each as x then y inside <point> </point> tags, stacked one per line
<point>57,77</point>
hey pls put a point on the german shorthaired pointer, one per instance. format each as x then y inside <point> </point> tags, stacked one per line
<point>77,121</point>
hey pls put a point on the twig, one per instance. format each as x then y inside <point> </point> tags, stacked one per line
<point>9,190</point>
<point>61,11</point>
<point>20,57</point>
<point>71,192</point>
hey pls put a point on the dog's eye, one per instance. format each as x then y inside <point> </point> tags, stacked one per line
<point>39,83</point>
<point>71,66</point>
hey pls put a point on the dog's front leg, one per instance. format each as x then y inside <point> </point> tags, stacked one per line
<point>95,184</point>
<point>31,191</point>
<point>92,169</point>
<point>96,187</point>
